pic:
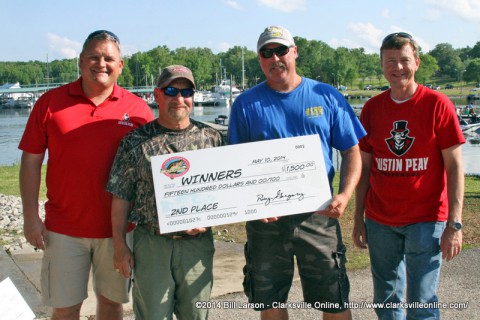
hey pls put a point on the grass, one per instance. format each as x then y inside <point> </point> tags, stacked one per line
<point>464,92</point>
<point>357,258</point>
<point>459,90</point>
<point>9,181</point>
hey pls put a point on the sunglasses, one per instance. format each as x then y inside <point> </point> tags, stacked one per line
<point>99,34</point>
<point>397,34</point>
<point>172,92</point>
<point>278,51</point>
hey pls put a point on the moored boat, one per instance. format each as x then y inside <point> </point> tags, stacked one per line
<point>469,127</point>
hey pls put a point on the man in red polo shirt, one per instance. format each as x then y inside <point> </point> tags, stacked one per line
<point>81,125</point>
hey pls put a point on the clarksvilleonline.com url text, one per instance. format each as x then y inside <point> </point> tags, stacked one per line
<point>407,305</point>
<point>323,305</point>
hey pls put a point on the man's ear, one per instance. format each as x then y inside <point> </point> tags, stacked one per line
<point>156,92</point>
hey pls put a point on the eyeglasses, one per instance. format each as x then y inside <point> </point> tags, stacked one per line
<point>172,92</point>
<point>279,52</point>
<point>397,34</point>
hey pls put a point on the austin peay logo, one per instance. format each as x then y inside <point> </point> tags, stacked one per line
<point>125,120</point>
<point>399,143</point>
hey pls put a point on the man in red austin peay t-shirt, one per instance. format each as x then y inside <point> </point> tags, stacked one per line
<point>410,196</point>
<point>81,125</point>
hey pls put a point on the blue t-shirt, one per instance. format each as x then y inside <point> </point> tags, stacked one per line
<point>261,113</point>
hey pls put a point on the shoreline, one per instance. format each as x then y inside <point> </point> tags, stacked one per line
<point>11,222</point>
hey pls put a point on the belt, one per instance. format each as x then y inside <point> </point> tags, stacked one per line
<point>173,236</point>
<point>177,237</point>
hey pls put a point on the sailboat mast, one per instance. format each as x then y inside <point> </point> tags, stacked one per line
<point>243,71</point>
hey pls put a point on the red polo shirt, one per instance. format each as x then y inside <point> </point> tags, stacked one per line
<point>81,140</point>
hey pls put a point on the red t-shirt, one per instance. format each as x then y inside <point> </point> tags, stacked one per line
<point>82,141</point>
<point>407,176</point>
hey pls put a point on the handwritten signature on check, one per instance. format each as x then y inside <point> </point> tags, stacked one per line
<point>280,197</point>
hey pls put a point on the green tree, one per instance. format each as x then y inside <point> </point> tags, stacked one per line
<point>126,78</point>
<point>201,62</point>
<point>448,59</point>
<point>63,71</point>
<point>342,64</point>
<point>316,60</point>
<point>428,67</point>
<point>253,71</point>
<point>309,57</point>
<point>472,72</point>
<point>161,58</point>
<point>369,67</point>
<point>474,52</point>
<point>231,65</point>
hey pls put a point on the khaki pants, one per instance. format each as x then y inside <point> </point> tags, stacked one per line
<point>170,276</point>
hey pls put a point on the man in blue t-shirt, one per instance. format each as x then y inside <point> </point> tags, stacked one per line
<point>288,105</point>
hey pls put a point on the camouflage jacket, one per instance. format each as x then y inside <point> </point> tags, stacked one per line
<point>131,174</point>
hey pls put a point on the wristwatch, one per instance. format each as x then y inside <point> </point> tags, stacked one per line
<point>455,225</point>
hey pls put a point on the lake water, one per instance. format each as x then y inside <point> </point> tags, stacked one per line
<point>12,125</point>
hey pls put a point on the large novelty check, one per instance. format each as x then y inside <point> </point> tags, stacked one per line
<point>241,182</point>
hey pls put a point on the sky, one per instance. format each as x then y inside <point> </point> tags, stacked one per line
<point>47,30</point>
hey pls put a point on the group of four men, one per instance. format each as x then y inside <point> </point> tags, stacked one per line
<point>100,139</point>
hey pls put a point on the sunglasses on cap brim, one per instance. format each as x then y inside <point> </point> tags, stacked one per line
<point>397,34</point>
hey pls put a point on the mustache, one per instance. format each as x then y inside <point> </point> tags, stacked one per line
<point>174,104</point>
<point>277,64</point>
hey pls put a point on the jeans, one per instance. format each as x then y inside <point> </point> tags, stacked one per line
<point>405,259</point>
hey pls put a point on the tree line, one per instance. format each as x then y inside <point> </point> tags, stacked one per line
<point>316,60</point>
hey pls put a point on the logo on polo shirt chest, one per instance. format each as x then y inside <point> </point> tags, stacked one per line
<point>125,120</point>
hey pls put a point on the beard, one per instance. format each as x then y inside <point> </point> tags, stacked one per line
<point>178,112</point>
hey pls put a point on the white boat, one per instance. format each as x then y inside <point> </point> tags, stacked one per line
<point>469,127</point>
<point>19,102</point>
<point>205,99</point>
<point>7,102</point>
<point>225,93</point>
<point>198,97</point>
<point>24,102</point>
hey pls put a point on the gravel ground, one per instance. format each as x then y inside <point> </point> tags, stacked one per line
<point>459,284</point>
<point>11,222</point>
